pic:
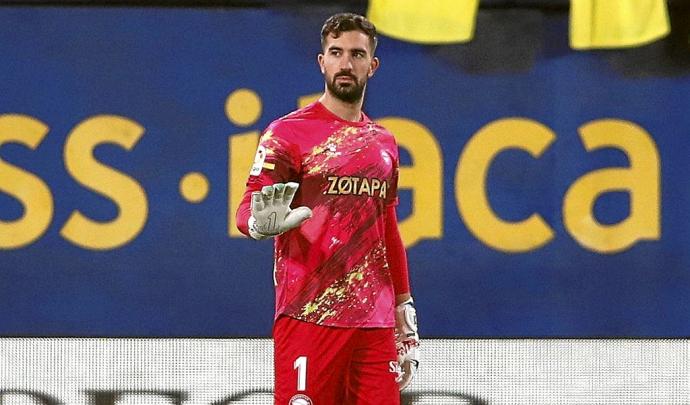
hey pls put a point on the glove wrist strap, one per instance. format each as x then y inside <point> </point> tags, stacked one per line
<point>407,317</point>
<point>253,232</point>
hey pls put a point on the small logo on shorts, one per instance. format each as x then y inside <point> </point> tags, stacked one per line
<point>300,399</point>
<point>395,368</point>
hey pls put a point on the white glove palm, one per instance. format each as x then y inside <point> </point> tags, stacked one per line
<point>407,342</point>
<point>271,213</point>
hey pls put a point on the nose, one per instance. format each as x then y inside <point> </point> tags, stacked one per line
<point>346,63</point>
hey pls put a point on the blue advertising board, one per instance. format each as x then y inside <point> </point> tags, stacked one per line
<point>548,202</point>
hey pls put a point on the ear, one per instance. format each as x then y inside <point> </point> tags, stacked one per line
<point>319,59</point>
<point>374,65</point>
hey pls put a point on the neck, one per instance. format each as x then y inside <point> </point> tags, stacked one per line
<point>346,111</point>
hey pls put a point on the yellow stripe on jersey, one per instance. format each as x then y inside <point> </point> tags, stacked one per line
<point>269,166</point>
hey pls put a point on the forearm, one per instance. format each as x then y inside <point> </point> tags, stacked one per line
<point>244,211</point>
<point>397,257</point>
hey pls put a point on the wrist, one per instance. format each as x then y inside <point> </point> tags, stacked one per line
<point>253,233</point>
<point>402,298</point>
<point>406,319</point>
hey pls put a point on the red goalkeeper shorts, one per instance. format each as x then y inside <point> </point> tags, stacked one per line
<point>323,365</point>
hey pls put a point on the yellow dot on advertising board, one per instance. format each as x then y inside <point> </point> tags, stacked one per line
<point>243,107</point>
<point>194,187</point>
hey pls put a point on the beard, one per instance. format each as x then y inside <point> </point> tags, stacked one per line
<point>350,92</point>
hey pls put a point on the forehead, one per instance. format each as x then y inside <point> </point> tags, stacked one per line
<point>349,40</point>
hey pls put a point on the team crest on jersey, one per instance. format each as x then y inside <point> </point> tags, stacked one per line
<point>300,399</point>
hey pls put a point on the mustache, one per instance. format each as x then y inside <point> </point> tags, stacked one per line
<point>345,74</point>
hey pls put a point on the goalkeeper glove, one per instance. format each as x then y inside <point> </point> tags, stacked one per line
<point>406,342</point>
<point>271,213</point>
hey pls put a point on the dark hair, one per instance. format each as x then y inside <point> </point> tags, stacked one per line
<point>343,22</point>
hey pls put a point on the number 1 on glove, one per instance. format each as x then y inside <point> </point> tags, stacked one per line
<point>271,212</point>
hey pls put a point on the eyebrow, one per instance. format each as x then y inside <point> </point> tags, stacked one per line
<point>337,48</point>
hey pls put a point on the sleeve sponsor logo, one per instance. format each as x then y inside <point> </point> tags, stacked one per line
<point>260,162</point>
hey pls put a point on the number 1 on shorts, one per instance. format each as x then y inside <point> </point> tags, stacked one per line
<point>301,367</point>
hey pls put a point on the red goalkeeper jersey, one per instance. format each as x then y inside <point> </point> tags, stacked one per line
<point>332,270</point>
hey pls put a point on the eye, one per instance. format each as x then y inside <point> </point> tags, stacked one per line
<point>335,52</point>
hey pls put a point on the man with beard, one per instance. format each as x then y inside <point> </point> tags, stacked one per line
<point>345,327</point>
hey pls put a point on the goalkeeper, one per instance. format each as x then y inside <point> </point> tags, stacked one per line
<point>324,186</point>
